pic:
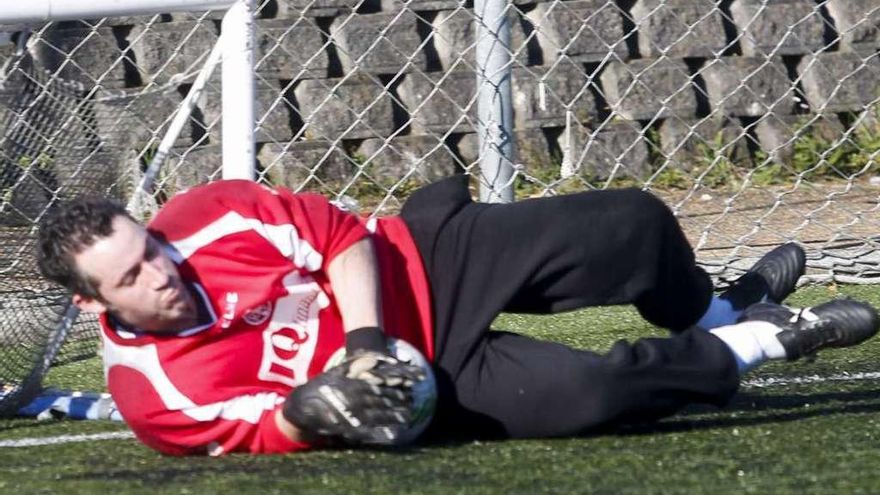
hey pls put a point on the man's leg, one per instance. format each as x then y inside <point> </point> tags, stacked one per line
<point>771,279</point>
<point>555,254</point>
<point>600,248</point>
<point>550,255</point>
<point>520,387</point>
<point>567,252</point>
<point>770,331</point>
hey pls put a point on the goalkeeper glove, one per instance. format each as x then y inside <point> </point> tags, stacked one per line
<point>365,400</point>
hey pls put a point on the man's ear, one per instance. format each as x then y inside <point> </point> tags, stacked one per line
<point>88,304</point>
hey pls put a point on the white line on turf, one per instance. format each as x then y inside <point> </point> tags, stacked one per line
<point>33,442</point>
<point>800,380</point>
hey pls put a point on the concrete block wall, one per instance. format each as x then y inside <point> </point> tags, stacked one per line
<point>378,88</point>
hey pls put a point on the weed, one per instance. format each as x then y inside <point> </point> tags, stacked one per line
<point>670,177</point>
<point>817,156</point>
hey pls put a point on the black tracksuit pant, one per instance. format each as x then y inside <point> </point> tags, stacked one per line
<point>551,255</point>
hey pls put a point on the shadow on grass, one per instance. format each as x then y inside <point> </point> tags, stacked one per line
<point>764,408</point>
<point>19,424</point>
<point>746,409</point>
<point>333,463</point>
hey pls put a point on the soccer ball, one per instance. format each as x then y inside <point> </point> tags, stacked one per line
<point>424,392</point>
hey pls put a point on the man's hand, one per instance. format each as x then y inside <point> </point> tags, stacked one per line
<point>365,400</point>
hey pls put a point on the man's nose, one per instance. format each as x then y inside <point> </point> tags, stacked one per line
<point>158,277</point>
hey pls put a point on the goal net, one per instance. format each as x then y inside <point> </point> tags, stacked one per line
<point>48,138</point>
<point>757,121</point>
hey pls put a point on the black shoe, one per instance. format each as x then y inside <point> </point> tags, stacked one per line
<point>837,323</point>
<point>773,277</point>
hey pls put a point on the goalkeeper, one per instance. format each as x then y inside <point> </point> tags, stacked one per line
<point>219,318</point>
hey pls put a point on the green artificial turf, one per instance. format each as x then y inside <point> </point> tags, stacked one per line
<point>819,437</point>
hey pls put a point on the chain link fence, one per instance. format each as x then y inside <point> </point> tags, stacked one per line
<point>758,121</point>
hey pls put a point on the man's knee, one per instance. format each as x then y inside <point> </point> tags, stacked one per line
<point>644,207</point>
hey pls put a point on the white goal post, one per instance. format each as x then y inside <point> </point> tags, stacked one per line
<point>38,11</point>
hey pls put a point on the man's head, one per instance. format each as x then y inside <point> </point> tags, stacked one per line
<point>111,263</point>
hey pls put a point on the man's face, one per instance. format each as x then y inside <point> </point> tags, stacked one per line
<point>136,281</point>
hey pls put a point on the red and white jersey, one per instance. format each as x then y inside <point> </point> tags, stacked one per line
<point>257,258</point>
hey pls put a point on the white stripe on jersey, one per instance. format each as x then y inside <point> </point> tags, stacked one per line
<point>284,237</point>
<point>244,407</point>
<point>145,359</point>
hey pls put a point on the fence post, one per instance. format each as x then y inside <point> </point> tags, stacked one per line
<point>494,101</point>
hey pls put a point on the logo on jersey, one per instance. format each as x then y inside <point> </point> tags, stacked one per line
<point>290,338</point>
<point>256,316</point>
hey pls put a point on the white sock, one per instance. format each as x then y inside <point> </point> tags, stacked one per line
<point>751,342</point>
<point>719,313</point>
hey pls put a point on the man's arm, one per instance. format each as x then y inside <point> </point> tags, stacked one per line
<point>354,277</point>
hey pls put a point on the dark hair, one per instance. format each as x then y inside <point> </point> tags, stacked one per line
<point>66,230</point>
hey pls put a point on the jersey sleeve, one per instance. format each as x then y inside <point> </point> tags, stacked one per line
<point>241,424</point>
<point>330,229</point>
<point>304,227</point>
